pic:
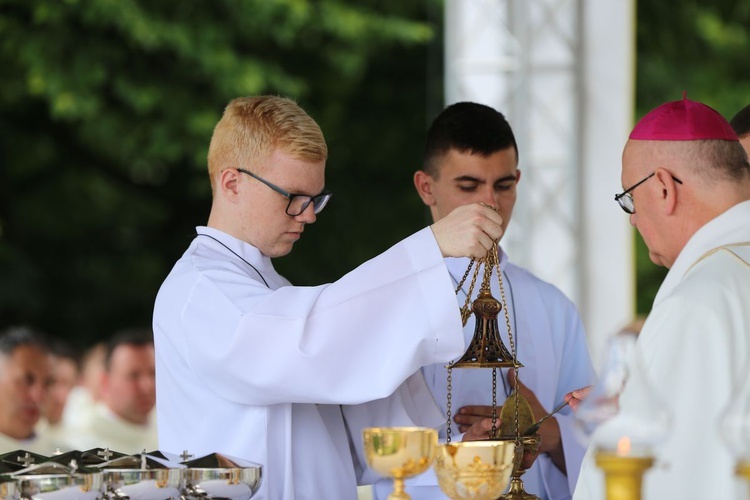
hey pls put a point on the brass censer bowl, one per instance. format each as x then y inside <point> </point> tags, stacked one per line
<point>526,453</point>
<point>476,470</point>
<point>516,414</point>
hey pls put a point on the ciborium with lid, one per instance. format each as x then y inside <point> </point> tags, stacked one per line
<point>55,481</point>
<point>141,476</point>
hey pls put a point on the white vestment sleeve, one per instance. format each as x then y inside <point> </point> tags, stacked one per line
<point>693,345</point>
<point>250,366</point>
<point>344,343</point>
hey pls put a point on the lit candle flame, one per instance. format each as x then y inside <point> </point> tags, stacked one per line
<point>623,446</point>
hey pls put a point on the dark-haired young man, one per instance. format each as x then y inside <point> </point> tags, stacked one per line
<point>471,157</point>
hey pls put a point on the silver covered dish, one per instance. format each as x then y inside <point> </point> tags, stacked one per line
<point>19,459</point>
<point>218,476</point>
<point>141,477</point>
<point>55,481</point>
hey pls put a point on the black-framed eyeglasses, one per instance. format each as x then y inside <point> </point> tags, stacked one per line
<point>625,199</point>
<point>298,203</point>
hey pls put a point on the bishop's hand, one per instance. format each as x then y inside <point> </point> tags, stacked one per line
<point>575,398</point>
<point>468,231</point>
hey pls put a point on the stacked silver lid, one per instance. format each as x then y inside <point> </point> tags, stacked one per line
<point>108,475</point>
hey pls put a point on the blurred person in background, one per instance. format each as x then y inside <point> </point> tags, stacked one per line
<point>64,365</point>
<point>87,390</point>
<point>123,420</point>
<point>741,125</point>
<point>25,378</point>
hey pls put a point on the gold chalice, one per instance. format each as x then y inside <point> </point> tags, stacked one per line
<point>399,452</point>
<point>474,470</point>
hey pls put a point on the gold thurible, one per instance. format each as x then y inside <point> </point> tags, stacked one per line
<point>479,469</point>
<point>486,350</point>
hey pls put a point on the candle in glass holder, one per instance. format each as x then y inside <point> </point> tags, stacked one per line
<point>623,419</point>
<point>623,471</point>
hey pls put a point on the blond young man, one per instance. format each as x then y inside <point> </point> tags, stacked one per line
<point>251,366</point>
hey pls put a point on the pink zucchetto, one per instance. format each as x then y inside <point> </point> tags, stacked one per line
<point>683,120</point>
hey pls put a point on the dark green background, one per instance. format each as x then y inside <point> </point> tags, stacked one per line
<point>107,108</point>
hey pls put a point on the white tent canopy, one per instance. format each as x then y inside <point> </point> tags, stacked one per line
<point>562,71</point>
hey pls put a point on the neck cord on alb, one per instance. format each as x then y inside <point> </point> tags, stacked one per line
<point>238,256</point>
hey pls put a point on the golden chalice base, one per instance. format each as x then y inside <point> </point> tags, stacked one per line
<point>623,475</point>
<point>398,453</point>
<point>476,470</point>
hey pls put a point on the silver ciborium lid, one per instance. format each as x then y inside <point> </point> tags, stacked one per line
<point>83,459</point>
<point>141,476</point>
<point>20,459</point>
<point>53,480</point>
<point>221,476</point>
<point>99,455</point>
<point>171,458</point>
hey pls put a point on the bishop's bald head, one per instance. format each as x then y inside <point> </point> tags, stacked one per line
<point>684,166</point>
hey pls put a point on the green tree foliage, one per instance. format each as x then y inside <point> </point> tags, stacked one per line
<point>107,108</point>
<point>694,46</point>
<point>106,113</point>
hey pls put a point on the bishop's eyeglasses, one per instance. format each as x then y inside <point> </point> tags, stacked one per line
<point>625,199</point>
<point>298,203</point>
